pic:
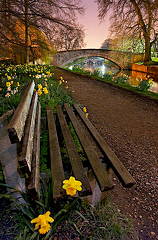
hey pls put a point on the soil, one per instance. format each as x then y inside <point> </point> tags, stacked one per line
<point>129,123</point>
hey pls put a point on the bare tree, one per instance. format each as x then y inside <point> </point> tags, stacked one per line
<point>138,18</point>
<point>46,16</point>
<point>69,39</point>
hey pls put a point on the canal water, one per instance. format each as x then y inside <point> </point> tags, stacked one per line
<point>103,66</point>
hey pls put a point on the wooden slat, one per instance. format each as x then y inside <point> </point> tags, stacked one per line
<point>55,156</point>
<point>98,168</point>
<point>74,157</point>
<point>27,144</point>
<point>17,123</point>
<point>117,165</point>
<point>34,183</point>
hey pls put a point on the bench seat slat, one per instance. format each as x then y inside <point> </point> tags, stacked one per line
<point>117,165</point>
<point>25,158</point>
<point>98,169</point>
<point>35,173</point>
<point>74,157</point>
<point>55,156</point>
<point>17,123</point>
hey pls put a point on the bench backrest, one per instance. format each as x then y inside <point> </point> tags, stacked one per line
<point>17,123</point>
<point>21,128</point>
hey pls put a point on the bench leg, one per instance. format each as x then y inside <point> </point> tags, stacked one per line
<point>97,196</point>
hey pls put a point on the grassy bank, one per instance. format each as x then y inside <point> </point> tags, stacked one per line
<point>13,80</point>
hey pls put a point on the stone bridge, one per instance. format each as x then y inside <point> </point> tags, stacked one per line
<point>123,59</point>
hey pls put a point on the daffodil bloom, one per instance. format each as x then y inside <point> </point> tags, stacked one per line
<point>39,92</point>
<point>61,78</point>
<point>18,84</point>
<point>72,186</point>
<point>45,90</point>
<point>8,84</point>
<point>42,222</point>
<point>85,109</point>
<point>60,82</point>
<point>44,229</point>
<point>39,86</point>
<point>150,80</point>
<point>9,77</point>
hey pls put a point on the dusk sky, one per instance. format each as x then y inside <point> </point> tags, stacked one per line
<point>95,32</point>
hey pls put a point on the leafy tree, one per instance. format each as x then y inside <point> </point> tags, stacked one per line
<point>123,43</point>
<point>134,18</point>
<point>39,45</point>
<point>106,44</point>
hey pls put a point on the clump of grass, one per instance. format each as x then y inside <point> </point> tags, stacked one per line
<point>96,223</point>
<point>111,223</point>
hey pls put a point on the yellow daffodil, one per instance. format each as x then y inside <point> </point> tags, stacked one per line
<point>85,109</point>
<point>8,84</point>
<point>9,77</point>
<point>48,73</point>
<point>45,90</point>
<point>39,92</point>
<point>18,84</point>
<point>42,222</point>
<point>151,81</point>
<point>39,86</point>
<point>61,78</point>
<point>60,82</point>
<point>72,186</point>
<point>44,229</point>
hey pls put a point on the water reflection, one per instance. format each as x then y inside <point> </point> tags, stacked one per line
<point>103,66</point>
<point>93,64</point>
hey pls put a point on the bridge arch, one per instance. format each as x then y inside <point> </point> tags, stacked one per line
<point>81,56</point>
<point>122,59</point>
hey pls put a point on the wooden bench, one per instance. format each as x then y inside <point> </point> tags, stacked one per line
<point>24,131</point>
<point>95,170</point>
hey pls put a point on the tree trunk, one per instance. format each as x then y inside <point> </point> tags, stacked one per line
<point>145,29</point>
<point>147,56</point>
<point>26,32</point>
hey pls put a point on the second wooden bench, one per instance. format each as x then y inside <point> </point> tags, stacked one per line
<point>99,160</point>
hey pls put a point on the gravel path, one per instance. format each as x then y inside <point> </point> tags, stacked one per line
<point>129,123</point>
